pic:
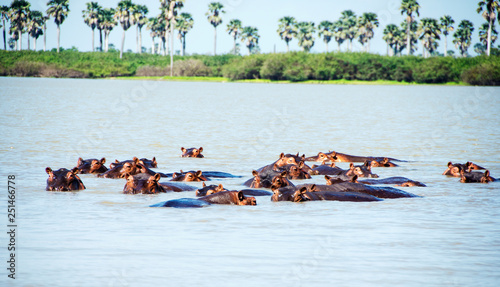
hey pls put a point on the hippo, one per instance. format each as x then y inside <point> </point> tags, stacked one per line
<point>192,152</point>
<point>149,163</point>
<point>342,157</point>
<point>189,176</point>
<point>364,170</point>
<point>223,197</point>
<point>63,180</point>
<point>382,163</point>
<point>214,174</point>
<point>380,192</point>
<point>267,178</point>
<point>326,169</point>
<point>341,178</point>
<point>311,193</point>
<point>294,171</point>
<point>119,170</point>
<point>285,159</point>
<point>287,193</point>
<point>454,169</point>
<point>210,189</point>
<point>474,176</point>
<point>91,165</point>
<point>398,181</point>
<point>143,183</point>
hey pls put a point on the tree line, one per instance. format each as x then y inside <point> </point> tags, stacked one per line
<point>347,28</point>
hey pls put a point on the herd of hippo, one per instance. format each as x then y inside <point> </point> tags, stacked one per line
<point>340,185</point>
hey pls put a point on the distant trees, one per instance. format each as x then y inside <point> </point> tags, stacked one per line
<point>35,25</point>
<point>409,7</point>
<point>184,24</point>
<point>446,26</point>
<point>429,30</point>
<point>287,30</point>
<point>325,29</point>
<point>250,36</point>
<point>123,15</point>
<point>483,36</point>
<point>91,17</point>
<point>18,15</point>
<point>463,36</point>
<point>349,26</point>
<point>366,23</point>
<point>234,29</point>
<point>489,9</point>
<point>139,13</point>
<point>58,9</point>
<point>4,14</point>
<point>214,17</point>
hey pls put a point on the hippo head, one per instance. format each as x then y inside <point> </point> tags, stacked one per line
<point>192,152</point>
<point>453,169</point>
<point>189,176</point>
<point>342,178</point>
<point>411,183</point>
<point>210,189</point>
<point>294,171</point>
<point>467,177</point>
<point>91,165</point>
<point>151,163</point>
<point>289,159</point>
<point>472,166</point>
<point>361,170</point>
<point>382,163</point>
<point>281,180</point>
<point>243,200</point>
<point>301,195</point>
<point>142,184</point>
<point>135,160</point>
<point>63,180</point>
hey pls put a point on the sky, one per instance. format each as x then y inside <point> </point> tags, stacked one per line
<point>264,15</point>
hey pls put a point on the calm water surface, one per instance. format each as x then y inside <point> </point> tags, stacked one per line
<point>100,237</point>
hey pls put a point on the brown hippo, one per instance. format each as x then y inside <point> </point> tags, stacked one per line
<point>63,180</point>
<point>192,152</point>
<point>326,169</point>
<point>312,193</point>
<point>398,181</point>
<point>91,165</point>
<point>189,176</point>
<point>380,192</point>
<point>210,189</point>
<point>382,163</point>
<point>474,176</point>
<point>285,159</point>
<point>266,179</point>
<point>149,163</point>
<point>287,193</point>
<point>294,171</point>
<point>454,169</point>
<point>223,197</point>
<point>342,157</point>
<point>143,183</point>
<point>364,170</point>
<point>340,178</point>
<point>119,170</point>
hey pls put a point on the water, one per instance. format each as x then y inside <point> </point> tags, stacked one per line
<point>100,237</point>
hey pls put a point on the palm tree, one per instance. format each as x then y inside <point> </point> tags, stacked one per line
<point>107,23</point>
<point>169,10</point>
<point>287,29</point>
<point>44,20</point>
<point>429,29</point>
<point>483,34</point>
<point>4,14</point>
<point>409,7</point>
<point>234,28</point>
<point>251,36</point>
<point>489,8</point>
<point>390,33</point>
<point>349,26</point>
<point>123,14</point>
<point>214,11</point>
<point>305,35</point>
<point>139,13</point>
<point>152,25</point>
<point>446,26</point>
<point>19,10</point>
<point>35,25</point>
<point>184,24</point>
<point>413,36</point>
<point>326,30</point>
<point>366,23</point>
<point>91,18</point>
<point>338,33</point>
<point>463,36</point>
<point>58,9</point>
<point>15,37</point>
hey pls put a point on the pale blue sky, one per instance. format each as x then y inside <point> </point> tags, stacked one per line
<point>264,15</point>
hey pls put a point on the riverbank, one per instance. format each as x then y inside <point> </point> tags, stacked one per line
<point>294,67</point>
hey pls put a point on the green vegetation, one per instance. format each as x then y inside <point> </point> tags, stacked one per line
<point>286,67</point>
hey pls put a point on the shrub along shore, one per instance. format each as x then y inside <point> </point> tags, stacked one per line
<point>337,68</point>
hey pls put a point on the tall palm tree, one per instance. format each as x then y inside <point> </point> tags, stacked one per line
<point>152,25</point>
<point>169,10</point>
<point>184,24</point>
<point>305,35</point>
<point>123,14</point>
<point>366,23</point>
<point>483,34</point>
<point>400,40</point>
<point>91,18</point>
<point>287,29</point>
<point>4,14</point>
<point>446,26</point>
<point>139,13</point>
<point>107,23</point>
<point>338,33</point>
<point>412,36</point>
<point>429,30</point>
<point>390,33</point>
<point>326,30</point>
<point>251,36</point>
<point>19,10</point>
<point>463,36</point>
<point>234,29</point>
<point>349,26</point>
<point>45,18</point>
<point>489,9</point>
<point>58,9</point>
<point>214,11</point>
<point>409,7</point>
<point>35,25</point>
<point>15,37</point>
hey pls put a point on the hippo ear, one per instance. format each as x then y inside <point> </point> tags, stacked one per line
<point>450,164</point>
<point>128,177</point>
<point>183,150</point>
<point>284,173</point>
<point>303,156</point>
<point>255,173</point>
<point>332,165</point>
<point>174,175</point>
<point>354,178</point>
<point>313,188</point>
<point>48,170</point>
<point>303,190</point>
<point>103,160</point>
<point>327,178</point>
<point>241,197</point>
<point>351,166</point>
<point>220,187</point>
<point>116,161</point>
<point>135,159</point>
<point>74,170</point>
<point>282,155</point>
<point>80,161</point>
<point>367,163</point>
<point>156,177</point>
<point>204,185</point>
<point>201,149</point>
<point>154,160</point>
<point>301,164</point>
<point>274,188</point>
<point>487,173</point>
<point>199,173</point>
<point>276,167</point>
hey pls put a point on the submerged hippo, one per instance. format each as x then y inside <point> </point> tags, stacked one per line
<point>364,170</point>
<point>223,197</point>
<point>63,180</point>
<point>294,171</point>
<point>121,169</point>
<point>454,169</point>
<point>210,189</point>
<point>143,183</point>
<point>380,192</point>
<point>342,157</point>
<point>327,169</point>
<point>266,179</point>
<point>382,163</point>
<point>474,176</point>
<point>149,163</point>
<point>189,176</point>
<point>91,165</point>
<point>398,181</point>
<point>192,152</point>
<point>285,159</point>
<point>311,193</point>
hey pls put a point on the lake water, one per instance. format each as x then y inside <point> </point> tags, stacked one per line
<point>100,237</point>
